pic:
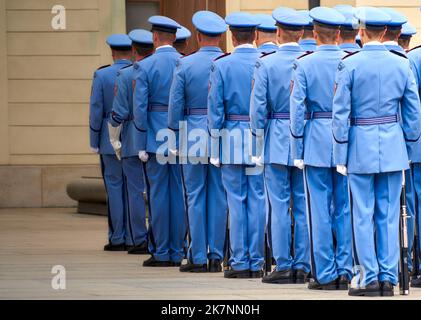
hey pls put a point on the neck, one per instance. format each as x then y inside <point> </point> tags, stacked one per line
<point>163,43</point>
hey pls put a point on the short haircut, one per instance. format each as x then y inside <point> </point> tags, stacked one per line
<point>374,32</point>
<point>392,33</point>
<point>291,35</point>
<point>404,42</point>
<point>121,49</point>
<point>348,33</point>
<point>165,36</point>
<point>244,36</point>
<point>327,34</point>
<point>143,49</point>
<point>308,33</point>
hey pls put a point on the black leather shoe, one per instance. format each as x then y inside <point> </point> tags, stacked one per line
<point>115,247</point>
<point>387,289</point>
<point>300,276</point>
<point>175,264</point>
<point>214,265</point>
<point>191,267</point>
<point>371,290</point>
<point>314,285</point>
<point>234,274</point>
<point>139,249</point>
<point>342,282</point>
<point>416,282</point>
<point>256,274</point>
<point>152,262</point>
<point>280,277</point>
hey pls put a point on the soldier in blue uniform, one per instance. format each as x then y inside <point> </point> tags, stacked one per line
<point>349,29</point>
<point>266,34</point>
<point>205,196</point>
<point>408,30</point>
<point>414,56</point>
<point>101,103</point>
<point>122,132</point>
<point>228,119</point>
<point>167,224</point>
<point>181,40</point>
<point>393,31</point>
<point>307,42</point>
<point>326,189</point>
<point>269,111</point>
<point>370,145</point>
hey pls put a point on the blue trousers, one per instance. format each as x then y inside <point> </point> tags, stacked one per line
<point>207,211</point>
<point>284,184</point>
<point>167,227</point>
<point>329,223</point>
<point>134,181</point>
<point>112,174</point>
<point>375,201</point>
<point>247,217</point>
<point>416,174</point>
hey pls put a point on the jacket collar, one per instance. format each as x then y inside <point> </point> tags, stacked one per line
<point>210,49</point>
<point>328,47</point>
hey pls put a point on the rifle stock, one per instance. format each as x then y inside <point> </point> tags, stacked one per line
<point>403,239</point>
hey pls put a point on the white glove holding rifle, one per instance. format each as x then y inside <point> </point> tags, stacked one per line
<point>114,133</point>
<point>342,169</point>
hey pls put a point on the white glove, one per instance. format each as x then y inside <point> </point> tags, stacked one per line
<point>215,161</point>
<point>258,161</point>
<point>143,155</point>
<point>299,163</point>
<point>174,152</point>
<point>95,150</point>
<point>342,169</point>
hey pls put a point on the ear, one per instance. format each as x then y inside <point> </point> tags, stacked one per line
<point>338,33</point>
<point>301,33</point>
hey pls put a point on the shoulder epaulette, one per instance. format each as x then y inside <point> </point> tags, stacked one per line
<point>186,55</point>
<point>399,54</point>
<point>102,67</point>
<point>222,56</point>
<point>305,54</point>
<point>130,65</point>
<point>414,48</point>
<point>265,54</point>
<point>350,54</point>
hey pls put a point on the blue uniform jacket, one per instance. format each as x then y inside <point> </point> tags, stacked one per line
<point>271,92</point>
<point>308,44</point>
<point>189,90</point>
<point>313,88</point>
<point>229,94</point>
<point>414,56</point>
<point>152,89</point>
<point>102,95</point>
<point>375,148</point>
<point>349,47</point>
<point>267,48</point>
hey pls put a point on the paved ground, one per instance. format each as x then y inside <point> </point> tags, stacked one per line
<point>34,240</point>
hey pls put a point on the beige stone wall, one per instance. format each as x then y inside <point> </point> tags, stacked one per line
<point>45,82</point>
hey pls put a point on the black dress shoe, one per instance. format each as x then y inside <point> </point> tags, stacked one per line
<point>371,290</point>
<point>416,282</point>
<point>115,247</point>
<point>387,289</point>
<point>300,276</point>
<point>214,265</point>
<point>342,282</point>
<point>280,277</point>
<point>152,262</point>
<point>175,264</point>
<point>191,267</point>
<point>237,274</point>
<point>139,249</point>
<point>256,274</point>
<point>314,285</point>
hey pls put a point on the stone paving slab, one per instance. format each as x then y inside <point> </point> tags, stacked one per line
<point>34,240</point>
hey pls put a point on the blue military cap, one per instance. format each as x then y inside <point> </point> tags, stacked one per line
<point>348,12</point>
<point>397,19</point>
<point>164,24</point>
<point>182,34</point>
<point>408,30</point>
<point>119,41</point>
<point>289,18</point>
<point>306,14</point>
<point>372,17</point>
<point>241,20</point>
<point>141,36</point>
<point>209,23</point>
<point>267,23</point>
<point>327,16</point>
